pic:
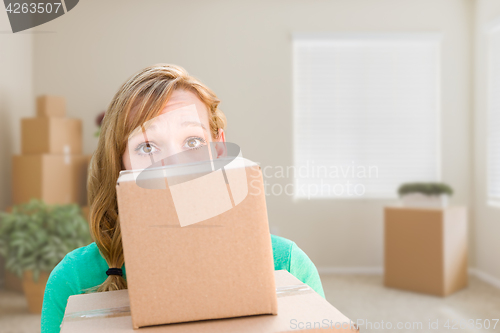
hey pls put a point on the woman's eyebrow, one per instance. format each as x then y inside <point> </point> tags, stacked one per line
<point>193,123</point>
<point>152,128</point>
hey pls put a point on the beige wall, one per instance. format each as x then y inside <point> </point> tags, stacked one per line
<point>16,101</point>
<point>487,217</point>
<point>242,50</point>
<point>16,97</point>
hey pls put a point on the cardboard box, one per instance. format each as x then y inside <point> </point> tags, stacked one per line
<point>50,106</point>
<point>55,179</point>
<point>299,309</point>
<point>426,249</point>
<point>51,136</point>
<point>182,267</point>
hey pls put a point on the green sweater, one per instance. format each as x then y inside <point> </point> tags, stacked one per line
<point>85,268</point>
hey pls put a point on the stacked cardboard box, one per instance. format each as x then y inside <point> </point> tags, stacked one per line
<point>199,259</point>
<point>51,166</point>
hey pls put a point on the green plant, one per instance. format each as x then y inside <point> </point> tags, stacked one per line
<point>98,122</point>
<point>425,188</point>
<point>36,236</point>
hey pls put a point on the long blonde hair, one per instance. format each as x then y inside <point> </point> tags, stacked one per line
<point>139,99</point>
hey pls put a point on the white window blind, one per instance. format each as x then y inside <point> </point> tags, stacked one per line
<point>366,114</point>
<point>493,132</point>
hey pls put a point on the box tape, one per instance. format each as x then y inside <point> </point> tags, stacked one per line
<point>298,289</point>
<point>123,311</point>
<point>98,313</point>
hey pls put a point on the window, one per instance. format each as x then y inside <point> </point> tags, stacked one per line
<point>366,114</point>
<point>493,131</point>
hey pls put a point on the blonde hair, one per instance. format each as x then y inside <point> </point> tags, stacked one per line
<point>139,99</point>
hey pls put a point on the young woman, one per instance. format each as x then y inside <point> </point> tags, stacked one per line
<point>155,91</point>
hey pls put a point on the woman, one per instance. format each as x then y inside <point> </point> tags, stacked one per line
<point>153,92</point>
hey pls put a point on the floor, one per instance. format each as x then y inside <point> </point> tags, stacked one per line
<point>365,298</point>
<point>358,297</point>
<point>14,315</point>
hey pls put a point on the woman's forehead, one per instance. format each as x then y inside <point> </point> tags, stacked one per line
<point>184,98</point>
<point>175,120</point>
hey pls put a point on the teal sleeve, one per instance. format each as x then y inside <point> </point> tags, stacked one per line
<point>303,269</point>
<point>57,291</point>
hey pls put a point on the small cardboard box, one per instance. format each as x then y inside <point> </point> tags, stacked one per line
<point>299,309</point>
<point>44,135</point>
<point>50,106</point>
<point>199,247</point>
<point>55,179</point>
<point>426,249</point>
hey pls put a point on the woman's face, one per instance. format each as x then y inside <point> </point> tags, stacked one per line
<point>182,127</point>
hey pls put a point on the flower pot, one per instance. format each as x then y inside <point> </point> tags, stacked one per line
<point>34,291</point>
<point>12,282</point>
<point>421,200</point>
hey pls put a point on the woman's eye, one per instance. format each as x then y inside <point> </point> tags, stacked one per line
<point>193,143</point>
<point>146,149</point>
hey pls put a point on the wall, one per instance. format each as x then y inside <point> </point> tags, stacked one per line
<point>487,217</point>
<point>16,97</point>
<point>242,50</point>
<point>16,100</point>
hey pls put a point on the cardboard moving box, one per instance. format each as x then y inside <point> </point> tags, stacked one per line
<point>55,179</point>
<point>426,249</point>
<point>50,106</point>
<point>299,309</point>
<point>44,135</point>
<point>180,270</point>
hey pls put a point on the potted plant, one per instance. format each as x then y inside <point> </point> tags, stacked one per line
<point>98,122</point>
<point>425,195</point>
<point>34,237</point>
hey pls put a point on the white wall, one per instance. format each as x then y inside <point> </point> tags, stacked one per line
<point>242,50</point>
<point>487,218</point>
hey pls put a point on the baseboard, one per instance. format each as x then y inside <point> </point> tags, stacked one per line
<point>485,277</point>
<point>351,270</point>
<point>359,270</point>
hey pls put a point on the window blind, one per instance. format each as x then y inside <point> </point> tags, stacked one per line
<point>366,114</point>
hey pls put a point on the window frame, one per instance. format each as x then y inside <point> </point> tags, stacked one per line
<point>490,29</point>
